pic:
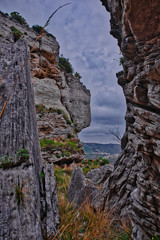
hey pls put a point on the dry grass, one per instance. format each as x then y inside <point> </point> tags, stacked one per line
<point>84,223</point>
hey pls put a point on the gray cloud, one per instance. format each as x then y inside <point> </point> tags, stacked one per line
<point>82,30</point>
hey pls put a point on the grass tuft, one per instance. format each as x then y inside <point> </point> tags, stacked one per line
<point>84,223</point>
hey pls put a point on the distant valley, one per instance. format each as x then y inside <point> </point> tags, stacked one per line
<point>109,151</point>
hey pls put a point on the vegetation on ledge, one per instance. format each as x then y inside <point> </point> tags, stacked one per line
<point>65,64</point>
<point>16,33</point>
<point>66,147</point>
<point>21,156</point>
<point>40,108</point>
<point>18,17</point>
<point>89,164</point>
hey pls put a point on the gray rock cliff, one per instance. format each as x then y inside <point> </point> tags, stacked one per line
<point>23,205</point>
<point>28,195</point>
<point>62,101</point>
<point>133,187</point>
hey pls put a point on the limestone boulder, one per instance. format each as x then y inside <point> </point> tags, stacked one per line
<point>81,190</point>
<point>99,175</point>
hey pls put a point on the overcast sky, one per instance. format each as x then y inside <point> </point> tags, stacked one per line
<point>82,30</point>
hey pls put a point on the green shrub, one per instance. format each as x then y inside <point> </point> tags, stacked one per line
<point>23,154</point>
<point>59,111</point>
<point>69,136</point>
<point>77,75</point>
<point>65,64</point>
<point>121,60</point>
<point>103,161</point>
<point>66,154</point>
<point>47,144</point>
<point>155,237</point>
<point>18,17</point>
<point>90,164</point>
<point>16,33</point>
<point>76,130</point>
<point>86,169</point>
<point>72,144</point>
<point>37,28</point>
<point>58,155</point>
<point>42,175</point>
<point>65,116</point>
<point>68,121</point>
<point>40,108</point>
<point>5,162</point>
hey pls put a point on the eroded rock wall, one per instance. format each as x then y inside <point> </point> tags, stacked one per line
<point>133,187</point>
<point>23,194</point>
<point>62,101</point>
<point>28,195</point>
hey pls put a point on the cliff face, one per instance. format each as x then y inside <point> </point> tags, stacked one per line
<point>133,187</point>
<point>29,204</point>
<point>28,198</point>
<point>62,101</point>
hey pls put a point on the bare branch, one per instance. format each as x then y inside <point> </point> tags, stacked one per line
<point>115,132</point>
<point>46,24</point>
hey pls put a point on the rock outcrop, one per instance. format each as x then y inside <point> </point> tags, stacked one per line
<point>28,195</point>
<point>84,188</point>
<point>27,202</point>
<point>133,187</point>
<point>100,175</point>
<point>62,101</point>
<point>81,190</point>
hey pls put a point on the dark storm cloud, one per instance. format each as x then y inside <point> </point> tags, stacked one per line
<point>82,30</point>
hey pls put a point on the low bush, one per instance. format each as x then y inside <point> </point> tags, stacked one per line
<point>77,75</point>
<point>18,17</point>
<point>47,144</point>
<point>89,164</point>
<point>16,33</point>
<point>40,108</point>
<point>155,237</point>
<point>121,60</point>
<point>58,155</point>
<point>42,175</point>
<point>65,116</point>
<point>65,64</point>
<point>6,162</point>
<point>21,156</point>
<point>69,136</point>
<point>37,28</point>
<point>76,130</point>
